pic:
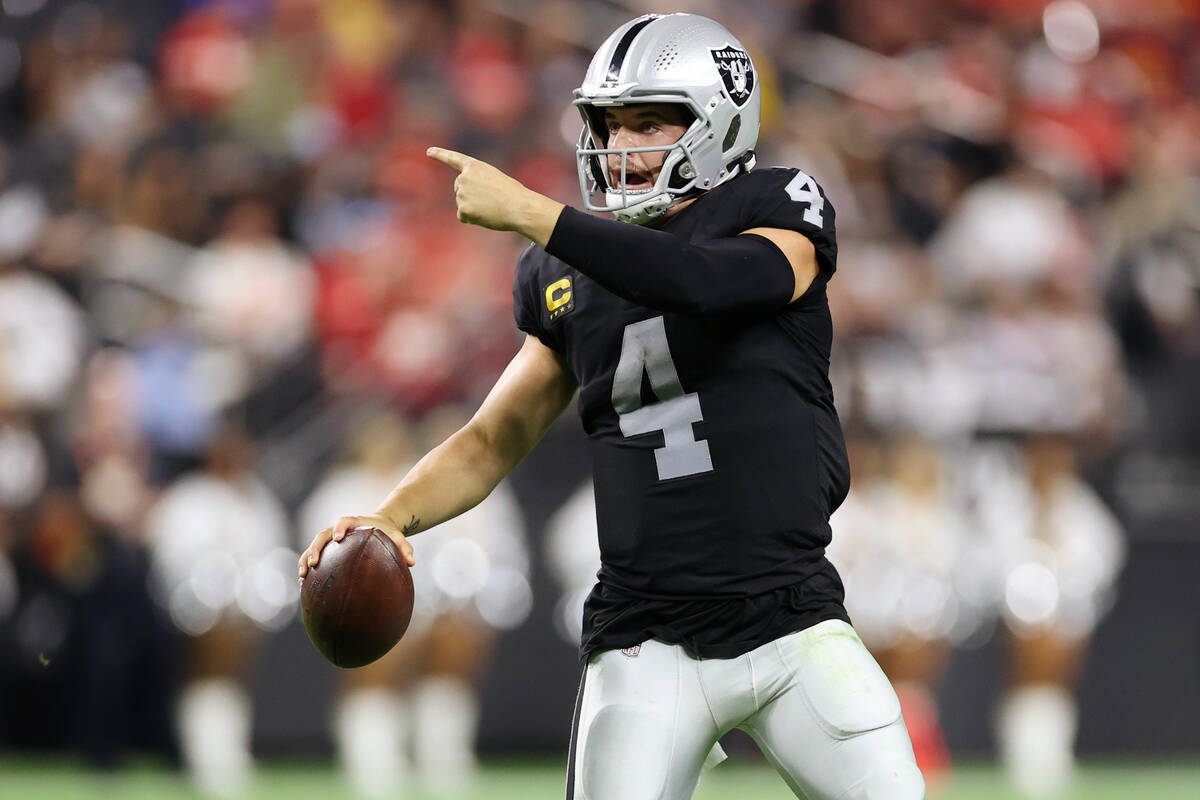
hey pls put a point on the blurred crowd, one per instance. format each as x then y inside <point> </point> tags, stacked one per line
<point>236,258</point>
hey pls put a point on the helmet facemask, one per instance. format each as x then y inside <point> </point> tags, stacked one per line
<point>676,180</point>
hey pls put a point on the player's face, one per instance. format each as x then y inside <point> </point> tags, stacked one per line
<point>641,125</point>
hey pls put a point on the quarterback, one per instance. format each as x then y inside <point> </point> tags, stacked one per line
<point>696,329</point>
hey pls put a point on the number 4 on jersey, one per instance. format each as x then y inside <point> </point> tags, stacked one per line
<point>803,189</point>
<point>644,350</point>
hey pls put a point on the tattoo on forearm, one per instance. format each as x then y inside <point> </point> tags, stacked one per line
<point>412,526</point>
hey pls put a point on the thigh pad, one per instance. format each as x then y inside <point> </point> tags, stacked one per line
<point>842,684</point>
<point>627,754</point>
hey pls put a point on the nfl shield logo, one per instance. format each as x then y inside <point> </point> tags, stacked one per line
<point>632,652</point>
<point>736,71</point>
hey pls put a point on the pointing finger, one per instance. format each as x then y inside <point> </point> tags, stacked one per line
<point>449,157</point>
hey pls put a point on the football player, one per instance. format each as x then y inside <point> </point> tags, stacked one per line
<point>698,337</point>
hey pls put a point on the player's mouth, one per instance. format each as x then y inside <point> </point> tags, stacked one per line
<point>634,180</point>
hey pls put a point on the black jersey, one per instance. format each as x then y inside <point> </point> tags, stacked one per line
<point>717,453</point>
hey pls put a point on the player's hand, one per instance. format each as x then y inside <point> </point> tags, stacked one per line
<point>484,195</point>
<point>312,556</point>
<point>487,197</point>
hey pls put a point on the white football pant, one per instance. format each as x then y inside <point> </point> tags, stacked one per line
<point>816,702</point>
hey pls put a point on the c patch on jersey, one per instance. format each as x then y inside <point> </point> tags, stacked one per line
<point>560,298</point>
<point>737,72</point>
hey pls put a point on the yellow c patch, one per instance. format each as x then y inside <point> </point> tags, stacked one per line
<point>559,298</point>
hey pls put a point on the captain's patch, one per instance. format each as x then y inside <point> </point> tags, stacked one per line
<point>559,298</point>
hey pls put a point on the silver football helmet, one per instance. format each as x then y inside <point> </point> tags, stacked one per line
<point>673,58</point>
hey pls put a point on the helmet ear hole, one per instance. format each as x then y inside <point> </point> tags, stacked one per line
<point>681,175</point>
<point>731,135</point>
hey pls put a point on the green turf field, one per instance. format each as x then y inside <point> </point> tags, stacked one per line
<point>57,780</point>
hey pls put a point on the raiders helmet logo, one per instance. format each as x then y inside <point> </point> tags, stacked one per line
<point>736,71</point>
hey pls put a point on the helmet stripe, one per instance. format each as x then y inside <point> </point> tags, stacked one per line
<point>618,57</point>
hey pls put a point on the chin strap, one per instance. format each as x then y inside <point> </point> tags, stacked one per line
<point>647,210</point>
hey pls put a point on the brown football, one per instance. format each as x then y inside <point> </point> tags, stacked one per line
<point>357,602</point>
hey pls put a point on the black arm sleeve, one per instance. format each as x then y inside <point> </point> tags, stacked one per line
<point>736,275</point>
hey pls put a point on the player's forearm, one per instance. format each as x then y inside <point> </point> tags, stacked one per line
<point>736,275</point>
<point>459,473</point>
<point>452,478</point>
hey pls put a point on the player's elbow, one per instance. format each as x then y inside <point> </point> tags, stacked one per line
<point>718,302</point>
<point>497,446</point>
<point>695,304</point>
<point>734,279</point>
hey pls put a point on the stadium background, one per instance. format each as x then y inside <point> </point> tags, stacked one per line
<point>209,207</point>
